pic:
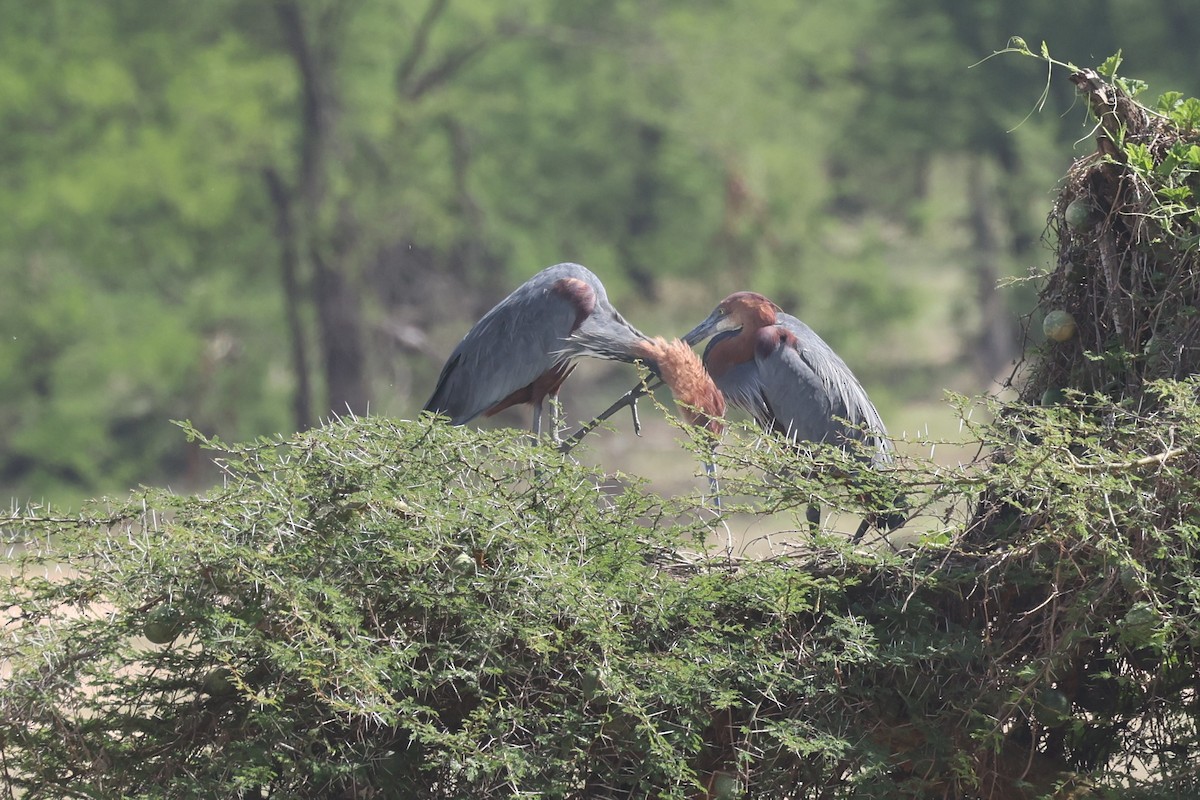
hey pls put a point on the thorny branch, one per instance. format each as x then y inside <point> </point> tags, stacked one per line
<point>630,399</point>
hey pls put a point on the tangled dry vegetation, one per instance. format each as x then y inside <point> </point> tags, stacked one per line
<point>387,610</point>
<point>1127,236</point>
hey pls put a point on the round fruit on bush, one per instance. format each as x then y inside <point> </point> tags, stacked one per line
<point>163,625</point>
<point>1053,396</point>
<point>1078,214</point>
<point>591,683</point>
<point>1052,707</point>
<point>1139,625</point>
<point>726,786</point>
<point>1059,325</point>
<point>219,682</point>
<point>463,563</point>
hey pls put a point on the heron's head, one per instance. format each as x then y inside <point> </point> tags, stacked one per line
<point>740,311</point>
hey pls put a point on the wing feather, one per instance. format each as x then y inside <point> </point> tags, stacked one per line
<point>512,345</point>
<point>812,373</point>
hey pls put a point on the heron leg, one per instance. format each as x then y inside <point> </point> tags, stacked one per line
<point>714,488</point>
<point>536,426</point>
<point>555,417</point>
<point>813,513</point>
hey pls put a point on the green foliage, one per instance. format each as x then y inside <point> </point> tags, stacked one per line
<point>400,608</point>
<point>465,146</point>
<point>470,616</point>
<point>1128,230</point>
<point>128,144</point>
<point>397,609</point>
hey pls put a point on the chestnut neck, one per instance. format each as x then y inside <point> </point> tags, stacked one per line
<point>731,348</point>
<point>701,403</point>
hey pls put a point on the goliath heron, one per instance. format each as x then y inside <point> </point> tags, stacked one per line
<point>784,375</point>
<point>523,349</point>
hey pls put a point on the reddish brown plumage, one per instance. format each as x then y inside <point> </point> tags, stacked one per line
<point>579,294</point>
<point>768,340</point>
<point>754,312</point>
<point>545,385</point>
<point>698,398</point>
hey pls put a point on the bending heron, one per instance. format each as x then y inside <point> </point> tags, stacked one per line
<point>523,350</point>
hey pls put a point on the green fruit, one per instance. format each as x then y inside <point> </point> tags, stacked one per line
<point>1100,690</point>
<point>219,682</point>
<point>463,564</point>
<point>251,615</point>
<point>1052,707</point>
<point>394,765</point>
<point>1139,625</point>
<point>1148,659</point>
<point>163,625</point>
<point>590,683</point>
<point>1079,214</point>
<point>1053,397</point>
<point>1059,325</point>
<point>1131,580</point>
<point>726,786</point>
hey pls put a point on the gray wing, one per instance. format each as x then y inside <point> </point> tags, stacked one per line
<point>821,377</point>
<point>517,341</point>
<point>743,388</point>
<point>799,404</point>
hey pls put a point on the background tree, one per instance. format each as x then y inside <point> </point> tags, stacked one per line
<point>479,617</point>
<point>253,215</point>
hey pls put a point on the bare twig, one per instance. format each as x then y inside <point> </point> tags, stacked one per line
<point>1117,113</point>
<point>1157,458</point>
<point>630,399</point>
<point>1108,259</point>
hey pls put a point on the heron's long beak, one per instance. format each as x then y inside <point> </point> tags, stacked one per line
<point>714,324</point>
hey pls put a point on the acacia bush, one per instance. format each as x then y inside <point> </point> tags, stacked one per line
<point>404,609</point>
<point>396,609</point>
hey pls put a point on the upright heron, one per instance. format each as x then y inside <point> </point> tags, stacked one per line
<point>784,375</point>
<point>523,349</point>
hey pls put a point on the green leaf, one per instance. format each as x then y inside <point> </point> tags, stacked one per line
<point>1186,113</point>
<point>1167,101</point>
<point>1109,68</point>
<point>1176,194</point>
<point>1139,157</point>
<point>1131,86</point>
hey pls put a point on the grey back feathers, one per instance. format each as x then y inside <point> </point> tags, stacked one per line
<point>847,399</point>
<point>805,391</point>
<point>561,312</point>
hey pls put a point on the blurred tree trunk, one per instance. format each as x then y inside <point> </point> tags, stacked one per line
<point>340,321</point>
<point>289,267</point>
<point>996,344</point>
<point>334,293</point>
<point>641,217</point>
